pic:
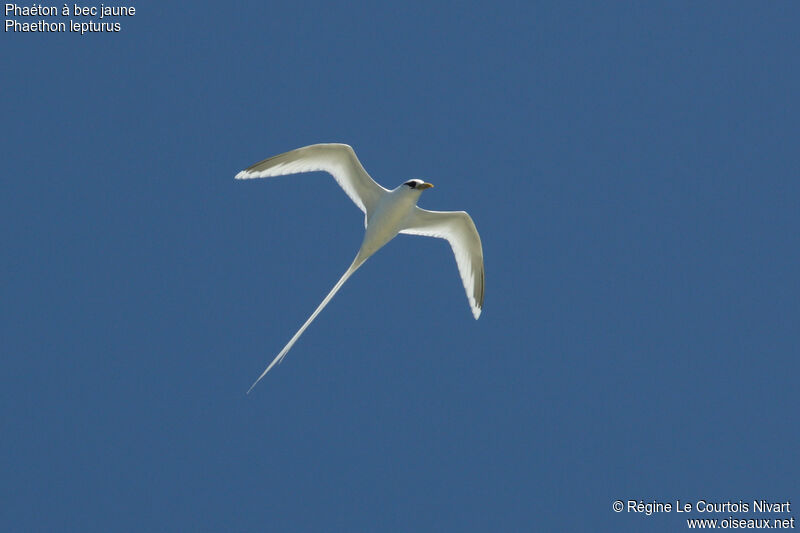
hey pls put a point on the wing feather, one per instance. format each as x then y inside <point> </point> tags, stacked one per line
<point>459,230</point>
<point>339,160</point>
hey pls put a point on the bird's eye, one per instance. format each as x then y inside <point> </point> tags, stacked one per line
<point>411,184</point>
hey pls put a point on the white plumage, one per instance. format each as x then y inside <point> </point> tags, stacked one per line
<point>386,213</point>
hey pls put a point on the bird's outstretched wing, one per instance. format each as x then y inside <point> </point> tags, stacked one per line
<point>460,231</point>
<point>337,159</point>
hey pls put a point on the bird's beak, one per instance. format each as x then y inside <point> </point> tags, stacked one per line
<point>425,186</point>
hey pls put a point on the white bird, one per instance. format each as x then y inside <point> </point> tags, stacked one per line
<point>386,213</point>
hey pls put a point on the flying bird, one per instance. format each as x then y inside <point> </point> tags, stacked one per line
<point>386,213</point>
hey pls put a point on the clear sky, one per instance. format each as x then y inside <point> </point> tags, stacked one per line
<point>632,168</point>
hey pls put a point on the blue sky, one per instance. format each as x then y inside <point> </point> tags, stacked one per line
<point>632,169</point>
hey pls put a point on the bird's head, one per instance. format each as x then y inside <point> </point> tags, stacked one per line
<point>417,185</point>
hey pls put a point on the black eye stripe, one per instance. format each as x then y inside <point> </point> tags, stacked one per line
<point>411,184</point>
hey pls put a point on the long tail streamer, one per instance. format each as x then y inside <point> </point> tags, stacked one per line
<point>357,262</point>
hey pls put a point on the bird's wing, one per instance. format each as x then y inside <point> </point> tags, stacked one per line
<point>460,231</point>
<point>337,159</point>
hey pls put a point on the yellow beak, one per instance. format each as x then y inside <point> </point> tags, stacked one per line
<point>425,186</point>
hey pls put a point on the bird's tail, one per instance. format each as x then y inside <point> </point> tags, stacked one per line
<point>357,262</point>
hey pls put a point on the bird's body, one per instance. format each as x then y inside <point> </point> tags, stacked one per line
<point>388,218</point>
<point>386,212</point>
